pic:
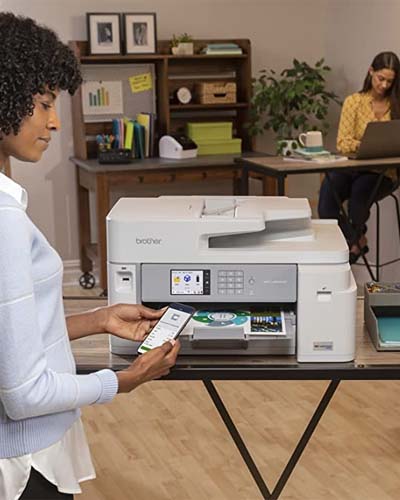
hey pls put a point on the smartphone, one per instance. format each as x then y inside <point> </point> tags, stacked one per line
<point>168,327</point>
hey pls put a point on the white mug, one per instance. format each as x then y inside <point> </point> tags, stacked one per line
<point>311,140</point>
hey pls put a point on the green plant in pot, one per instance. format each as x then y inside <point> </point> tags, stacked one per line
<point>292,102</point>
<point>182,44</point>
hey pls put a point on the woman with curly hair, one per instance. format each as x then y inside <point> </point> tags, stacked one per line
<point>43,448</point>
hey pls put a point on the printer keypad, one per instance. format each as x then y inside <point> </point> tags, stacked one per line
<point>230,282</point>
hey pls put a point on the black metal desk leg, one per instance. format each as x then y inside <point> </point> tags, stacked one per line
<point>212,391</point>
<point>330,391</point>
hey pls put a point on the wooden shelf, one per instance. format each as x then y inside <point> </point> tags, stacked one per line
<point>171,72</point>
<point>207,56</point>
<point>121,59</point>
<point>186,107</point>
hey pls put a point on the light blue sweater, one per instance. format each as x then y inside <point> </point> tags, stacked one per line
<point>40,393</point>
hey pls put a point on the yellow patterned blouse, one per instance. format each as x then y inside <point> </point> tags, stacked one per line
<point>356,113</point>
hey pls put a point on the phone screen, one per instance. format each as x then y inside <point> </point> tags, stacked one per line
<point>169,326</point>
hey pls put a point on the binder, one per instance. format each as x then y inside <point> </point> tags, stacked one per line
<point>139,138</point>
<point>144,120</point>
<point>129,132</point>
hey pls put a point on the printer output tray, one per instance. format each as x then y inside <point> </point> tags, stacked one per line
<point>214,341</point>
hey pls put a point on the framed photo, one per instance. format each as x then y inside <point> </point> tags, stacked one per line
<point>104,33</point>
<point>140,33</point>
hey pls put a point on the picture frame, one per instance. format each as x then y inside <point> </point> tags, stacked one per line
<point>140,32</point>
<point>104,33</point>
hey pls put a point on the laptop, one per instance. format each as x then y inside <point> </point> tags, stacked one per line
<point>380,140</point>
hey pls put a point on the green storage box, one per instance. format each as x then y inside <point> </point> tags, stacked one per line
<point>219,147</point>
<point>209,130</point>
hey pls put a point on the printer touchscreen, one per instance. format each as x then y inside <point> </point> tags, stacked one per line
<point>190,282</point>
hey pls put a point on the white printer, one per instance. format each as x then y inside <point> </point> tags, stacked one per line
<point>264,277</point>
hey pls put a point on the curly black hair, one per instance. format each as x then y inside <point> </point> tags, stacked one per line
<point>32,60</point>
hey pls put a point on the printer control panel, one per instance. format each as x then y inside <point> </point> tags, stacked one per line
<point>230,282</point>
<point>218,282</point>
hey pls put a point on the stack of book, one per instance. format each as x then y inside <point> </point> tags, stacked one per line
<point>135,134</point>
<point>222,49</point>
<point>322,156</point>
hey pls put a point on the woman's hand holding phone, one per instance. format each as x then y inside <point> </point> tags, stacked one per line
<point>153,364</point>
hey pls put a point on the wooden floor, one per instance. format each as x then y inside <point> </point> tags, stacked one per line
<point>166,441</point>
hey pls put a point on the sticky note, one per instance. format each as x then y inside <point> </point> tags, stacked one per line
<point>141,83</point>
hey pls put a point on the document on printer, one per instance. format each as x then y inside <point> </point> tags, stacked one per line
<point>255,323</point>
<point>268,322</point>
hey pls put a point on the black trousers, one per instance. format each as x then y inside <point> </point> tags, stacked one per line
<point>38,488</point>
<point>357,188</point>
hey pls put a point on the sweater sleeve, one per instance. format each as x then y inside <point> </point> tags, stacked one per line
<point>346,142</point>
<point>28,387</point>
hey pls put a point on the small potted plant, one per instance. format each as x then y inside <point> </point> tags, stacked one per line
<point>293,102</point>
<point>182,45</point>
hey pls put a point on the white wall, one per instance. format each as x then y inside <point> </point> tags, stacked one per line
<point>348,33</point>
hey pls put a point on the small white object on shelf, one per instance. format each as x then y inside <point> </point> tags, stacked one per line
<point>177,147</point>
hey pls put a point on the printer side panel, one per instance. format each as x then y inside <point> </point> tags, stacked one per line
<point>123,286</point>
<point>326,313</point>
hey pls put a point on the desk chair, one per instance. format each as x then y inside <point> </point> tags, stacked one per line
<point>378,265</point>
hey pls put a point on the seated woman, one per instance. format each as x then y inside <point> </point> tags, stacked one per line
<point>379,100</point>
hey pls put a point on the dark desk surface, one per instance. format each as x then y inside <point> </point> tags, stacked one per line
<point>92,353</point>
<point>150,164</point>
<point>278,165</point>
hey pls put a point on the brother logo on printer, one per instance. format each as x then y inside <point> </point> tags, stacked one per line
<point>148,241</point>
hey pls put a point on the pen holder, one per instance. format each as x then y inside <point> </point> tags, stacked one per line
<point>115,156</point>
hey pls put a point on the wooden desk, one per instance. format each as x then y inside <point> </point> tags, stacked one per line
<point>279,168</point>
<point>101,179</point>
<point>92,354</point>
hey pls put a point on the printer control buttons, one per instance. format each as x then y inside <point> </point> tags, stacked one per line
<point>222,273</point>
<point>239,279</point>
<point>239,291</point>
<point>222,279</point>
<point>252,281</point>
<point>238,273</point>
<point>221,291</point>
<point>231,273</point>
<point>207,282</point>
<point>239,286</point>
<point>230,279</point>
<point>230,285</point>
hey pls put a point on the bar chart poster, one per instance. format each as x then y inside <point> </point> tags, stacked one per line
<point>100,98</point>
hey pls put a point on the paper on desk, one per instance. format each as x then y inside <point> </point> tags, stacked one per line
<point>323,160</point>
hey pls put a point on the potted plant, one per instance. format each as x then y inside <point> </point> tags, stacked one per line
<point>293,102</point>
<point>182,45</point>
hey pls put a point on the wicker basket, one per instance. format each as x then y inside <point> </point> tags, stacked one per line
<point>216,92</point>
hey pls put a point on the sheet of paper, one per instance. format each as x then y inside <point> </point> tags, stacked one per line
<point>101,97</point>
<point>141,83</point>
<point>268,323</point>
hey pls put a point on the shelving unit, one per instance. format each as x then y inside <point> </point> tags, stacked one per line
<point>172,72</point>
